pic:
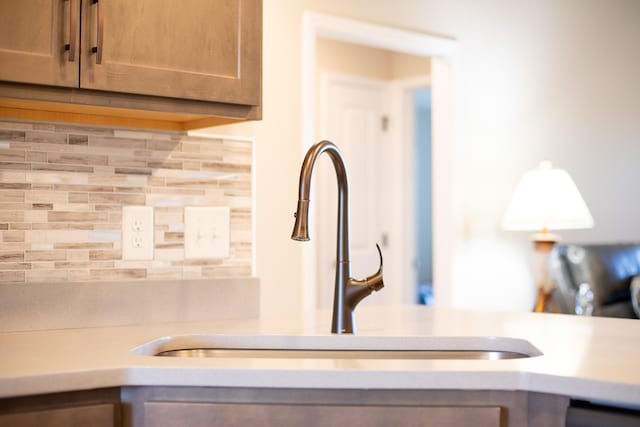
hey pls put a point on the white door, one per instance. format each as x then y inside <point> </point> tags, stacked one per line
<point>353,116</point>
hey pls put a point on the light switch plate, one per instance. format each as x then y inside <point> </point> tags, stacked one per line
<point>206,232</point>
<point>137,233</point>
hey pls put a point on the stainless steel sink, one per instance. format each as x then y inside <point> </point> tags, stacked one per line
<point>338,347</point>
<point>342,354</point>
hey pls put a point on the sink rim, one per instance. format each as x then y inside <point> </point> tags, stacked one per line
<point>345,343</point>
<point>235,353</point>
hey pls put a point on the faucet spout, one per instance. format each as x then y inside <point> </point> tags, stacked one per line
<point>348,291</point>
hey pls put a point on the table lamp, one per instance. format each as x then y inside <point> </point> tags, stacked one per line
<point>546,199</point>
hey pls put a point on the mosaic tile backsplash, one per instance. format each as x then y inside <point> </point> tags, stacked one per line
<point>63,187</point>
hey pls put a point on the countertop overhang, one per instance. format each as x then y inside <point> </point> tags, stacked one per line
<point>585,358</point>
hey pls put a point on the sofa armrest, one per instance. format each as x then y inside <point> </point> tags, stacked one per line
<point>635,294</point>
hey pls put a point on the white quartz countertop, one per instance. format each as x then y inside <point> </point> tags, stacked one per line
<point>587,358</point>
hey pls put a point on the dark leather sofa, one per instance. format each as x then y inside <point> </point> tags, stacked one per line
<point>597,279</point>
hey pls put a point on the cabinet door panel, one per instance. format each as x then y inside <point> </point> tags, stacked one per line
<point>193,49</point>
<point>33,34</point>
<point>102,415</point>
<point>175,414</point>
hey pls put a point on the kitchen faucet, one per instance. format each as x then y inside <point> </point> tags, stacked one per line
<point>348,291</point>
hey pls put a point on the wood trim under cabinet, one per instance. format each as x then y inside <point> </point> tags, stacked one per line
<point>46,103</point>
<point>125,118</point>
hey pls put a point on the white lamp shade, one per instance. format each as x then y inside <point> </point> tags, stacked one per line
<point>547,199</point>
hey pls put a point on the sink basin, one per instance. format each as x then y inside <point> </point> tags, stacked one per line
<point>342,354</point>
<point>338,347</point>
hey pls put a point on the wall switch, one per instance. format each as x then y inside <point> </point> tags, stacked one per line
<point>137,232</point>
<point>206,232</point>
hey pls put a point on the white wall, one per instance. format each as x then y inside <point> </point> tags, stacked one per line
<point>534,80</point>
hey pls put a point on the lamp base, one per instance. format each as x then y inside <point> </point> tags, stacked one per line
<point>545,302</point>
<point>543,243</point>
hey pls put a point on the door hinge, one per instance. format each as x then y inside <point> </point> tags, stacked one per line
<point>384,123</point>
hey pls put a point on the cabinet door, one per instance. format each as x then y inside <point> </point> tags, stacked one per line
<point>102,415</point>
<point>206,50</point>
<point>174,414</point>
<point>33,35</point>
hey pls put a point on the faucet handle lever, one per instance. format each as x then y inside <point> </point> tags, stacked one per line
<point>374,281</point>
<point>371,283</point>
<point>380,254</point>
<point>358,289</point>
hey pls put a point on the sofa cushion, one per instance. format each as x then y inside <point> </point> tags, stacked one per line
<point>607,269</point>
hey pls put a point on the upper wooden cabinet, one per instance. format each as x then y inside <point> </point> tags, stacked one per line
<point>191,62</point>
<point>192,49</point>
<point>33,36</point>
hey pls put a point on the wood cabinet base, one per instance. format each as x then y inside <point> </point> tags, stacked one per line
<point>225,406</point>
<point>208,406</point>
<point>97,408</point>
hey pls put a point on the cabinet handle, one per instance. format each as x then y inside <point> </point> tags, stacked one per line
<point>73,29</point>
<point>98,49</point>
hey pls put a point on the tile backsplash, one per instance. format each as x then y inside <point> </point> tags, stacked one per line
<point>63,187</point>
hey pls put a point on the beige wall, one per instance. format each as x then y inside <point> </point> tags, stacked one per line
<point>407,66</point>
<point>364,61</point>
<point>352,59</point>
<point>63,187</point>
<point>533,80</point>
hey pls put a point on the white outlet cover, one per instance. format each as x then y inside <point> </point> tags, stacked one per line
<point>206,232</point>
<point>137,233</point>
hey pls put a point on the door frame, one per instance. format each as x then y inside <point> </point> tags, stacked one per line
<point>442,51</point>
<point>404,178</point>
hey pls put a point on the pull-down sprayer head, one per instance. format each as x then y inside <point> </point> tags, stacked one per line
<point>301,227</point>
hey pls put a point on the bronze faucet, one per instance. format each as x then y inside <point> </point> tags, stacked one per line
<point>348,291</point>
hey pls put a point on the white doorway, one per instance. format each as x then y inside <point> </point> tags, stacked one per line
<point>441,50</point>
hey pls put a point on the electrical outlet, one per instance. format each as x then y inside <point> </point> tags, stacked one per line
<point>206,232</point>
<point>137,232</point>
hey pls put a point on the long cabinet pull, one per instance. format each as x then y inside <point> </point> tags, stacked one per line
<point>98,49</point>
<point>74,10</point>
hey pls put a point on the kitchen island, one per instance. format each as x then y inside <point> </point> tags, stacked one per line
<point>586,359</point>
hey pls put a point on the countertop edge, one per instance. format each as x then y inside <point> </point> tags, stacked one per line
<point>620,394</point>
